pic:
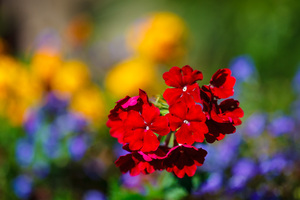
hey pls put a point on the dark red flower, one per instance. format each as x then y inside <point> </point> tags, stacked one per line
<point>221,118</point>
<point>191,123</point>
<point>141,126</point>
<point>222,83</point>
<point>139,162</point>
<point>135,163</point>
<point>184,159</point>
<point>184,82</point>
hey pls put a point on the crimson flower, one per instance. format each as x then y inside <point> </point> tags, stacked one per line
<point>184,83</point>
<point>184,159</point>
<point>221,118</point>
<point>139,162</point>
<point>222,83</point>
<point>191,121</point>
<point>119,113</point>
<point>141,126</point>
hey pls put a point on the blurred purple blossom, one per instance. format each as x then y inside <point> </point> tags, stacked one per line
<point>22,186</point>
<point>24,152</point>
<point>32,122</point>
<point>255,124</point>
<point>70,123</point>
<point>78,146</point>
<point>55,105</point>
<point>275,165</point>
<point>41,168</point>
<point>94,195</point>
<point>243,68</point>
<point>242,171</point>
<point>281,125</point>
<point>212,184</point>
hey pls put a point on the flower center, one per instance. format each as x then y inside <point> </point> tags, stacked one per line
<point>184,88</point>
<point>147,128</point>
<point>186,121</point>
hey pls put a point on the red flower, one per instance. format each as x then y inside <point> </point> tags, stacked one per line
<point>119,113</point>
<point>191,121</point>
<point>135,163</point>
<point>221,119</point>
<point>139,162</point>
<point>222,83</point>
<point>184,159</point>
<point>141,126</point>
<point>184,83</point>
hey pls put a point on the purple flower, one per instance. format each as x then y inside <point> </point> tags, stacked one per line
<point>22,186</point>
<point>242,68</point>
<point>281,125</point>
<point>243,170</point>
<point>94,195</point>
<point>78,146</point>
<point>212,184</point>
<point>54,105</point>
<point>275,165</point>
<point>70,123</point>
<point>255,124</point>
<point>220,154</point>
<point>24,151</point>
<point>33,122</point>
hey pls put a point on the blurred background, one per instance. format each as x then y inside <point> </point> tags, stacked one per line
<point>63,64</point>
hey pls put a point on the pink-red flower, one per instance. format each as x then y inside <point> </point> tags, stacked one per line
<point>184,159</point>
<point>190,120</point>
<point>141,126</point>
<point>222,83</point>
<point>184,82</point>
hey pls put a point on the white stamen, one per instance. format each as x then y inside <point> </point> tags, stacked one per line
<point>147,128</point>
<point>184,88</point>
<point>185,121</point>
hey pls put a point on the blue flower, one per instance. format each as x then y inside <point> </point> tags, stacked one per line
<point>212,184</point>
<point>94,195</point>
<point>78,146</point>
<point>281,125</point>
<point>24,152</point>
<point>243,68</point>
<point>22,186</point>
<point>243,170</point>
<point>255,124</point>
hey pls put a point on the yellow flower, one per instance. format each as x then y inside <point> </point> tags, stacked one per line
<point>72,76</point>
<point>160,37</point>
<point>130,75</point>
<point>44,66</point>
<point>18,90</point>
<point>89,103</point>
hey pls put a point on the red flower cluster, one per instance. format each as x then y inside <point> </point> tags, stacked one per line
<point>194,115</point>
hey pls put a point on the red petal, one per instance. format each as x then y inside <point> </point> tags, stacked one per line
<point>175,122</point>
<point>195,113</point>
<point>160,125</point>
<point>184,135</point>
<point>149,113</point>
<point>151,142</point>
<point>171,95</point>
<point>179,110</point>
<point>173,77</point>
<point>190,76</point>
<point>134,120</point>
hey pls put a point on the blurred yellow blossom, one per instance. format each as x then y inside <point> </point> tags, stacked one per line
<point>18,90</point>
<point>72,76</point>
<point>44,66</point>
<point>128,76</point>
<point>159,37</point>
<point>89,102</point>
